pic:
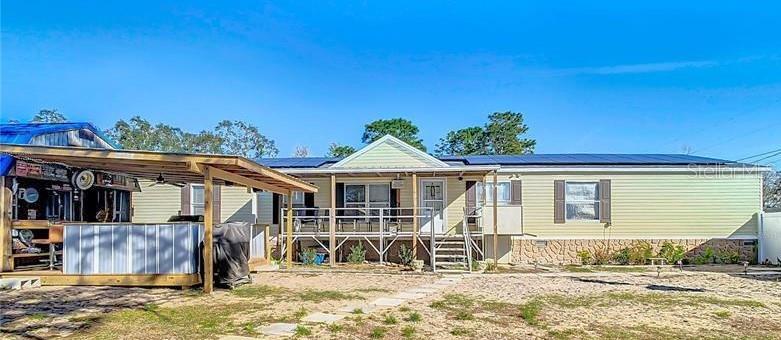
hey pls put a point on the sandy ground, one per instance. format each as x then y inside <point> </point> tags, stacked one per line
<point>489,306</point>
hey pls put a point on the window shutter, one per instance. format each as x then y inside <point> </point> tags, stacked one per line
<point>604,201</point>
<point>515,192</point>
<point>184,209</point>
<point>339,198</point>
<point>216,204</point>
<point>558,202</point>
<point>471,200</point>
<point>276,202</point>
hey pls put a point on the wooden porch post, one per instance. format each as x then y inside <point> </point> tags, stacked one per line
<point>332,224</point>
<point>496,222</point>
<point>5,226</point>
<point>289,231</point>
<point>415,226</point>
<point>208,231</point>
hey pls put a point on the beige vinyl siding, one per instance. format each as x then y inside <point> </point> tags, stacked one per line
<point>658,205</point>
<point>389,155</point>
<point>155,204</point>
<point>236,205</point>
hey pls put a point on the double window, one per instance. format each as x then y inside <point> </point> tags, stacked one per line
<point>582,201</point>
<point>487,190</point>
<point>367,195</point>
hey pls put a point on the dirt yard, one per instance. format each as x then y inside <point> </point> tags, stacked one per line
<point>508,305</point>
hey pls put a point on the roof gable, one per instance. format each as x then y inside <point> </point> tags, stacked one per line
<point>389,152</point>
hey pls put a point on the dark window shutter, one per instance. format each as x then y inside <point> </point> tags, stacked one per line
<point>515,192</point>
<point>185,202</point>
<point>276,201</point>
<point>216,204</point>
<point>604,201</point>
<point>394,201</point>
<point>309,202</point>
<point>339,198</point>
<point>558,202</point>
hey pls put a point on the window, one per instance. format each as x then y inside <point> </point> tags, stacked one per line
<point>503,192</point>
<point>298,199</point>
<point>367,195</point>
<point>582,200</point>
<point>196,199</point>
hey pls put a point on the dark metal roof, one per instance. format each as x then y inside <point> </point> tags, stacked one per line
<point>587,159</point>
<point>296,162</point>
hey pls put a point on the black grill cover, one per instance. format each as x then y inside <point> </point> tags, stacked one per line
<point>231,253</point>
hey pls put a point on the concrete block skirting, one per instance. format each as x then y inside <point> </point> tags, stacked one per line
<point>560,252</point>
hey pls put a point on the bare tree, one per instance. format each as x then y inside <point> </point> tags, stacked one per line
<point>301,151</point>
<point>772,190</point>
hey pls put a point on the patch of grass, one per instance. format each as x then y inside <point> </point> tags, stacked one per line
<point>38,316</point>
<point>408,331</point>
<point>564,334</point>
<point>372,290</point>
<point>453,302</point>
<point>670,300</point>
<point>317,296</point>
<point>413,317</point>
<point>260,291</point>
<point>577,269</point>
<point>464,315</point>
<point>378,333</point>
<point>722,314</point>
<point>303,331</point>
<point>300,313</point>
<point>404,309</point>
<point>390,320</point>
<point>530,312</point>
<point>357,311</point>
<point>335,328</point>
<point>459,331</point>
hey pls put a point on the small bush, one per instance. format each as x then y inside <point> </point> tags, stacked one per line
<point>335,328</point>
<point>308,256</point>
<point>357,253</point>
<point>585,257</point>
<point>621,256</point>
<point>405,255</point>
<point>390,320</point>
<point>413,317</point>
<point>640,252</point>
<point>728,256</point>
<point>302,331</point>
<point>408,331</point>
<point>706,257</point>
<point>490,266</point>
<point>300,313</point>
<point>357,311</point>
<point>601,257</point>
<point>672,253</point>
<point>459,331</point>
<point>530,311</point>
<point>378,333</point>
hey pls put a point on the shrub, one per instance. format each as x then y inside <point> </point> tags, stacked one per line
<point>308,256</point>
<point>413,317</point>
<point>672,253</point>
<point>408,331</point>
<point>728,256</point>
<point>406,256</point>
<point>490,266</point>
<point>622,256</point>
<point>640,252</point>
<point>378,333</point>
<point>705,257</point>
<point>303,331</point>
<point>357,253</point>
<point>601,257</point>
<point>585,257</point>
<point>390,320</point>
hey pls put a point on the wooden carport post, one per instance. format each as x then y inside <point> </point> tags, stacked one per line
<point>495,221</point>
<point>5,226</point>
<point>415,216</point>
<point>289,231</point>
<point>208,231</point>
<point>332,225</point>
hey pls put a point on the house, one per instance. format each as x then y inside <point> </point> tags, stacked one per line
<point>537,208</point>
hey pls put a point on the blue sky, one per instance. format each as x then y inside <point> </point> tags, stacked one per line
<point>612,77</point>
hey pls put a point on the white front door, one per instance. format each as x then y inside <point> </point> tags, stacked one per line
<point>432,196</point>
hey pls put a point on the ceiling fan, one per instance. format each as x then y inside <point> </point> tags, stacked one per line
<point>161,180</point>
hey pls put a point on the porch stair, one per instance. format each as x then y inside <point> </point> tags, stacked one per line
<point>450,254</point>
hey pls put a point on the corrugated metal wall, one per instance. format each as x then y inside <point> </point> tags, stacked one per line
<point>127,248</point>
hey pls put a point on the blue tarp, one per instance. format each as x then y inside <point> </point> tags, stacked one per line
<point>22,133</point>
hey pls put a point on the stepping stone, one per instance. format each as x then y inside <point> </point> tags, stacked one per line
<point>322,318</point>
<point>387,302</point>
<point>279,329</point>
<point>366,308</point>
<point>409,296</point>
<point>421,290</point>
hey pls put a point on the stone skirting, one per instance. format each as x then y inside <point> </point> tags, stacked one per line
<point>561,252</point>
